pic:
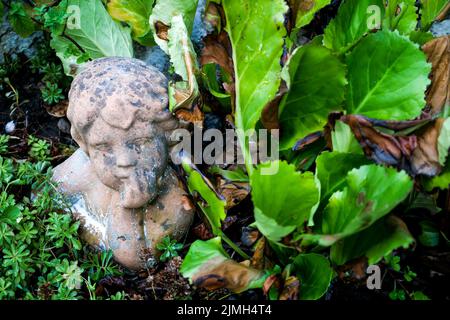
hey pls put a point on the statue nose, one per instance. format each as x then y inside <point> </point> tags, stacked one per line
<point>125,159</point>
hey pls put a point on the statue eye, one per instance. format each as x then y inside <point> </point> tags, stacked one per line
<point>103,147</point>
<point>136,143</point>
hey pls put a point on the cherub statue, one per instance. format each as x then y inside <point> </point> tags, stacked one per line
<point>119,183</point>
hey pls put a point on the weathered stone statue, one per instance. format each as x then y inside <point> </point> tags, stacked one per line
<point>119,182</point>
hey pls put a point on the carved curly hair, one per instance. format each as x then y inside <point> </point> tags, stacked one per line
<point>103,85</point>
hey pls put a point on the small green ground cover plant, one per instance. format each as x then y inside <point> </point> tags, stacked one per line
<point>41,255</point>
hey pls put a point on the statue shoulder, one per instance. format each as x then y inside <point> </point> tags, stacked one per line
<point>75,174</point>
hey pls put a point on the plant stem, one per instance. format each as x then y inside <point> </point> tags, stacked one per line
<point>234,246</point>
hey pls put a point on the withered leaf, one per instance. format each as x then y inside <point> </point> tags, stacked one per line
<point>381,147</point>
<point>425,158</point>
<point>58,110</point>
<point>215,51</point>
<point>438,53</point>
<point>234,192</point>
<point>195,115</point>
<point>269,115</point>
<point>290,289</point>
<point>226,274</point>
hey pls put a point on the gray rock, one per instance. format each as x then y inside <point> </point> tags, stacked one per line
<point>199,29</point>
<point>12,44</point>
<point>439,29</point>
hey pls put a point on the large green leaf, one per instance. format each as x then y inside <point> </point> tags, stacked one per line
<point>315,275</point>
<point>351,23</point>
<point>256,33</point>
<point>135,13</point>
<point>306,10</point>
<point>96,32</point>
<point>165,10</point>
<point>388,75</point>
<point>316,82</point>
<point>370,193</point>
<point>332,169</point>
<point>374,242</point>
<point>430,10</point>
<point>283,200</point>
<point>208,262</point>
<point>401,15</point>
<point>444,141</point>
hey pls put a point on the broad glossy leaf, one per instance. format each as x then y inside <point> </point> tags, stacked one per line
<point>443,143</point>
<point>316,82</point>
<point>96,32</point>
<point>370,193</point>
<point>256,32</point>
<point>315,275</point>
<point>430,11</point>
<point>135,13</point>
<point>208,265</point>
<point>306,9</point>
<point>354,19</point>
<point>401,15</point>
<point>283,200</point>
<point>343,139</point>
<point>162,14</point>
<point>332,169</point>
<point>214,208</point>
<point>375,242</point>
<point>387,75</point>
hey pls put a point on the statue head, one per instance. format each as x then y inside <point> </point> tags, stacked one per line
<point>119,116</point>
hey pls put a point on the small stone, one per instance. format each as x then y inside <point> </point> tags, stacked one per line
<point>63,125</point>
<point>10,127</point>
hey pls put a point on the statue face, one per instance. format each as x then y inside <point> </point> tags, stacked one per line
<point>128,160</point>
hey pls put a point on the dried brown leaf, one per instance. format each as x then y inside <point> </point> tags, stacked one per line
<point>425,158</point>
<point>290,289</point>
<point>58,110</point>
<point>438,53</point>
<point>226,274</point>
<point>233,192</point>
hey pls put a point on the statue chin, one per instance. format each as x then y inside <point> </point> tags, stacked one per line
<point>130,198</point>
